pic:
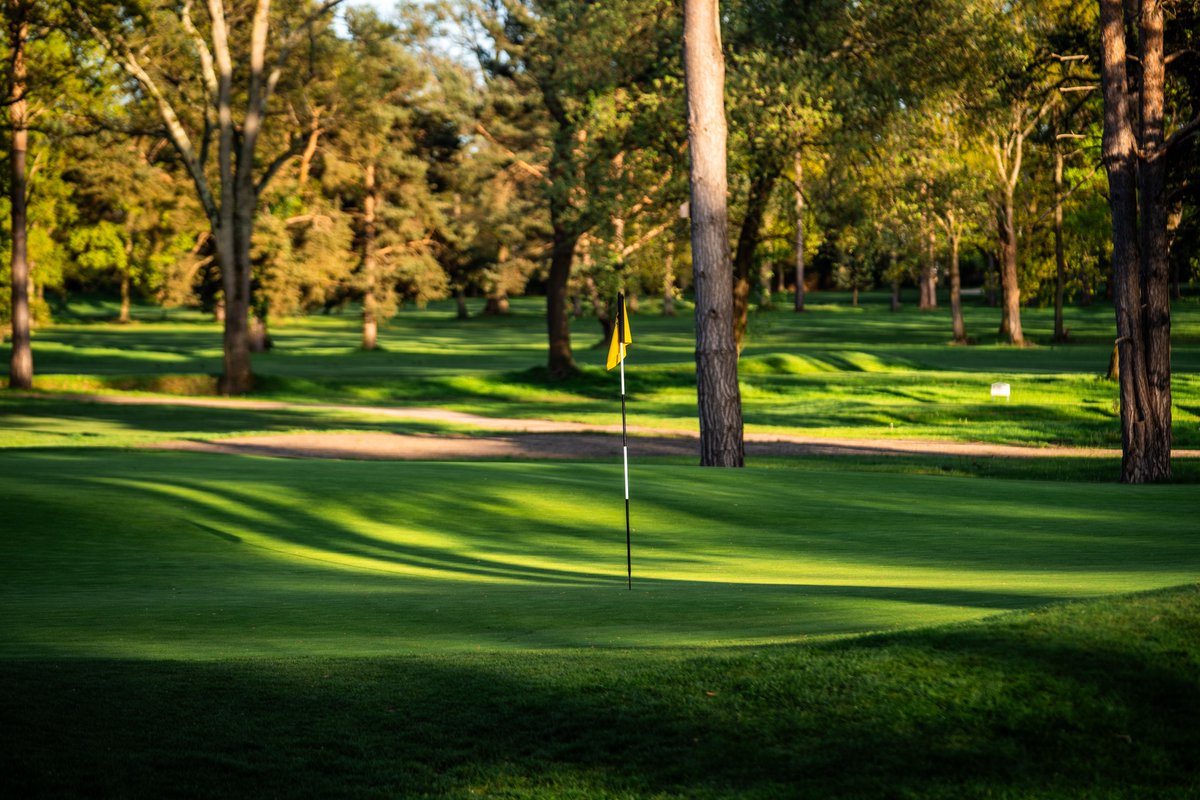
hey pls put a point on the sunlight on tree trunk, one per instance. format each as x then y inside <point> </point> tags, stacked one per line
<point>20,375</point>
<point>718,395</point>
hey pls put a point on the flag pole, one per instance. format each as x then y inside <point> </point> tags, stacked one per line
<point>625,442</point>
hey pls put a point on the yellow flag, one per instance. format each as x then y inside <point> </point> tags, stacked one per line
<point>616,353</point>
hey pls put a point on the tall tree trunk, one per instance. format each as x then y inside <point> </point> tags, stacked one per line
<point>747,244</point>
<point>718,396</point>
<point>260,336</point>
<point>1152,219</point>
<point>1140,291</point>
<point>1060,260</point>
<point>460,301</point>
<point>123,314</point>
<point>1010,288</point>
<point>497,297</point>
<point>991,280</point>
<point>929,273</point>
<point>370,308</point>
<point>891,270</point>
<point>668,307</point>
<point>20,374</point>
<point>956,313</point>
<point>600,309</point>
<point>766,279</point>
<point>799,300</point>
<point>1174,218</point>
<point>561,361</point>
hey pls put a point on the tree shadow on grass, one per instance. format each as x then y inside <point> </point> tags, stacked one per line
<point>1098,703</point>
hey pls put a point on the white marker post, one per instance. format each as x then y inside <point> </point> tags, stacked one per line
<point>625,461</point>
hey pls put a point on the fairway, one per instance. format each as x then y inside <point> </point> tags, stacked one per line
<point>952,625</point>
<point>158,555</point>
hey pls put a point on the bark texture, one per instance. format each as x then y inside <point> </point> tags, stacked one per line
<point>20,374</point>
<point>717,393</point>
<point>1060,259</point>
<point>561,360</point>
<point>799,303</point>
<point>743,259</point>
<point>370,307</point>
<point>1138,214</point>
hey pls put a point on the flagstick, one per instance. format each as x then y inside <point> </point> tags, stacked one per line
<point>625,458</point>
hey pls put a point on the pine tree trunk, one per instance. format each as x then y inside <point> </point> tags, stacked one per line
<point>497,299</point>
<point>20,375</point>
<point>799,300</point>
<point>747,244</point>
<point>956,313</point>
<point>766,277</point>
<point>928,273</point>
<point>370,322</point>
<point>123,314</point>
<point>668,307</point>
<point>260,337</point>
<point>1140,280</point>
<point>561,362</point>
<point>460,301</point>
<point>717,393</point>
<point>1060,260</point>
<point>1011,290</point>
<point>992,279</point>
<point>370,308</point>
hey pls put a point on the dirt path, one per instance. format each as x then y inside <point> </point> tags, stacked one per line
<point>537,438</point>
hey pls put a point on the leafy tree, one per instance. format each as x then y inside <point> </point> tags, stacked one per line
<point>221,90</point>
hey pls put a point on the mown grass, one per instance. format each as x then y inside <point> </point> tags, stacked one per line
<point>169,555</point>
<point>204,626</point>
<point>193,625</point>
<point>212,626</point>
<point>833,371</point>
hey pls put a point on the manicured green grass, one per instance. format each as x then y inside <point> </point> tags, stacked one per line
<point>833,371</point>
<point>1095,700</point>
<point>215,626</point>
<point>167,555</point>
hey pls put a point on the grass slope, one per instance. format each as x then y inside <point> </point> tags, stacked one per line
<point>1094,700</point>
<point>170,555</point>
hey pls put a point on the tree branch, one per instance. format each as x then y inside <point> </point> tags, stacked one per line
<point>1179,136</point>
<point>532,169</point>
<point>124,55</point>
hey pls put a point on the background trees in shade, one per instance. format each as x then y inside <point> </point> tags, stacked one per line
<point>262,158</point>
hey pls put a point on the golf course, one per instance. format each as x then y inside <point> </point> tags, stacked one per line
<point>928,622</point>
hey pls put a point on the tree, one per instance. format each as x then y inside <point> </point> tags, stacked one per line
<point>374,164</point>
<point>584,64</point>
<point>717,393</point>
<point>17,15</point>
<point>1136,149</point>
<point>135,221</point>
<point>237,73</point>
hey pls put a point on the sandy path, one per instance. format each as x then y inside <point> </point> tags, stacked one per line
<point>535,438</point>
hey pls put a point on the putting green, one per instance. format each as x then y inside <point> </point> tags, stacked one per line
<point>169,555</point>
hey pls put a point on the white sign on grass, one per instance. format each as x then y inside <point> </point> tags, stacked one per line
<point>1001,390</point>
